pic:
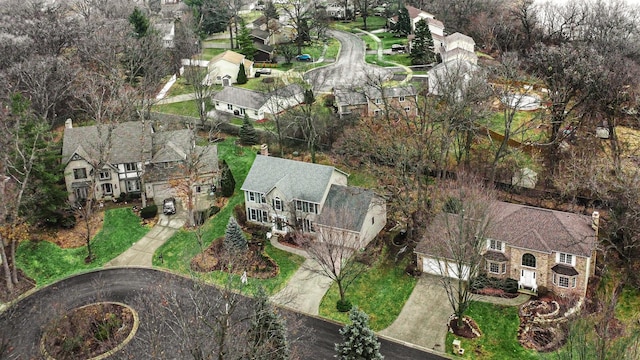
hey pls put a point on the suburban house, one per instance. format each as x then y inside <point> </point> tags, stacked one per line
<point>338,11</point>
<point>277,33</point>
<point>167,29</point>
<point>129,155</point>
<point>372,101</point>
<point>256,104</point>
<point>436,27</point>
<point>537,247</point>
<point>454,74</point>
<point>458,46</point>
<point>223,68</point>
<point>287,194</point>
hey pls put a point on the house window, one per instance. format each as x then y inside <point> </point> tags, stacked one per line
<point>198,189</point>
<point>277,204</point>
<point>258,215</point>
<point>378,101</point>
<point>528,260</point>
<point>377,112</point>
<point>107,189</point>
<point>241,111</point>
<point>255,113</point>
<point>495,245</point>
<point>104,174</point>
<point>252,196</point>
<point>565,258</point>
<point>307,225</point>
<point>496,267</point>
<point>407,109</point>
<point>229,107</point>
<point>130,167</point>
<point>307,207</point>
<point>401,99</point>
<point>80,173</point>
<point>81,193</point>
<point>133,185</point>
<point>373,220</point>
<point>217,103</point>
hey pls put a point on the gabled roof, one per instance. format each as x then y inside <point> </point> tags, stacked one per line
<point>241,97</point>
<point>346,207</point>
<point>124,142</point>
<point>414,13</point>
<point>456,36</point>
<point>260,34</point>
<point>295,179</point>
<point>349,97</point>
<point>346,96</point>
<point>207,165</point>
<point>230,56</point>
<point>391,91</point>
<point>528,228</point>
<point>260,21</point>
<point>169,146</point>
<point>263,47</point>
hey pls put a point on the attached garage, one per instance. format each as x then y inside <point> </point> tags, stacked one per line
<point>442,268</point>
<point>161,191</point>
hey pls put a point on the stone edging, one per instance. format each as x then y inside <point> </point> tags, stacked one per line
<point>132,333</point>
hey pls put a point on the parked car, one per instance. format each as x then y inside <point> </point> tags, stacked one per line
<point>304,57</point>
<point>169,206</point>
<point>264,71</point>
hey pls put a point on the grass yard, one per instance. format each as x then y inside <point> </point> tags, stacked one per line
<point>46,262</point>
<point>499,328</point>
<point>253,84</point>
<point>526,118</point>
<point>210,53</point>
<point>380,292</point>
<point>333,47</point>
<point>389,39</point>
<point>373,23</point>
<point>180,87</point>
<point>185,108</point>
<point>627,308</point>
<point>178,251</point>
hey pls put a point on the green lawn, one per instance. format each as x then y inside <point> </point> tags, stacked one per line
<point>499,328</point>
<point>333,47</point>
<point>180,87</point>
<point>373,23</point>
<point>185,108</point>
<point>380,292</point>
<point>46,262</point>
<point>389,39</point>
<point>210,53</point>
<point>526,118</point>
<point>178,251</point>
<point>253,84</point>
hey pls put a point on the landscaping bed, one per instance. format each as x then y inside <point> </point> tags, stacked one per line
<point>254,261</point>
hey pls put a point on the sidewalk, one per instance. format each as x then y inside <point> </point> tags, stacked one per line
<point>521,299</point>
<point>141,253</point>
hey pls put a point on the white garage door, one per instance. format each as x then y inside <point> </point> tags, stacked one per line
<point>161,192</point>
<point>443,268</point>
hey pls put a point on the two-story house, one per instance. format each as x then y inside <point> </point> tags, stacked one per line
<point>535,246</point>
<point>374,101</point>
<point>257,105</point>
<point>287,194</point>
<point>223,69</point>
<point>119,158</point>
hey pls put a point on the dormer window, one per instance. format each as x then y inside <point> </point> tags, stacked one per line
<point>496,245</point>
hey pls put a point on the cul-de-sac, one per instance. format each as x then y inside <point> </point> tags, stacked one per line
<point>301,179</point>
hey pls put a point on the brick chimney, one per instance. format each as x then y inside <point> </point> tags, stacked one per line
<point>264,150</point>
<point>595,221</point>
<point>68,124</point>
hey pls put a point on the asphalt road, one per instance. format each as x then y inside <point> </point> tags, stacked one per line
<point>350,69</point>
<point>151,293</point>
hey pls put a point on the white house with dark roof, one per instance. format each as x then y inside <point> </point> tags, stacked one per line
<point>537,247</point>
<point>223,69</point>
<point>121,150</point>
<point>287,194</point>
<point>257,104</point>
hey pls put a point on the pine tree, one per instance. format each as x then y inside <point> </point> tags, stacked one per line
<point>234,238</point>
<point>403,27</point>
<point>268,332</point>
<point>242,75</point>
<point>422,48</point>
<point>139,22</point>
<point>227,182</point>
<point>248,134</point>
<point>245,43</point>
<point>360,342</point>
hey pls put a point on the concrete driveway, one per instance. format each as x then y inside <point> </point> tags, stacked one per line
<point>305,290</point>
<point>350,69</point>
<point>423,319</point>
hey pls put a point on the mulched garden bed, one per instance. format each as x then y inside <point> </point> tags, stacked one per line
<point>254,261</point>
<point>24,284</point>
<point>468,330</point>
<point>543,322</point>
<point>88,331</point>
<point>496,293</point>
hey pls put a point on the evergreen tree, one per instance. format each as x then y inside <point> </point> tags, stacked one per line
<point>139,22</point>
<point>234,238</point>
<point>403,26</point>
<point>242,75</point>
<point>422,48</point>
<point>247,133</point>
<point>309,98</point>
<point>227,182</point>
<point>360,342</point>
<point>270,11</point>
<point>245,43</point>
<point>268,332</point>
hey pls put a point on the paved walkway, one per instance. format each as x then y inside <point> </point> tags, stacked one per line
<point>141,252</point>
<point>380,55</point>
<point>423,319</point>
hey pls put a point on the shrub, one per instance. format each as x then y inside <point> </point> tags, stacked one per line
<point>343,305</point>
<point>68,221</point>
<point>213,210</point>
<point>268,80</point>
<point>240,214</point>
<point>542,291</point>
<point>510,286</point>
<point>149,211</point>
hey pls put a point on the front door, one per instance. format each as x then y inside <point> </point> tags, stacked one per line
<point>528,279</point>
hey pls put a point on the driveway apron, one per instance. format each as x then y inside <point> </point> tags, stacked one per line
<point>423,319</point>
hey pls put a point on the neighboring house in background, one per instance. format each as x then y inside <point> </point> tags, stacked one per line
<point>262,43</point>
<point>455,74</point>
<point>458,46</point>
<point>435,26</point>
<point>125,148</point>
<point>371,101</point>
<point>256,104</point>
<point>338,11</point>
<point>167,29</point>
<point>223,69</point>
<point>287,194</point>
<point>537,247</point>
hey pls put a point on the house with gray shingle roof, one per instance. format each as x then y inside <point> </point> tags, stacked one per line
<point>291,195</point>
<point>374,101</point>
<point>257,104</point>
<point>537,247</point>
<point>105,161</point>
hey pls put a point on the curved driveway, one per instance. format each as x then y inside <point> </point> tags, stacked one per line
<point>22,323</point>
<point>350,69</point>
